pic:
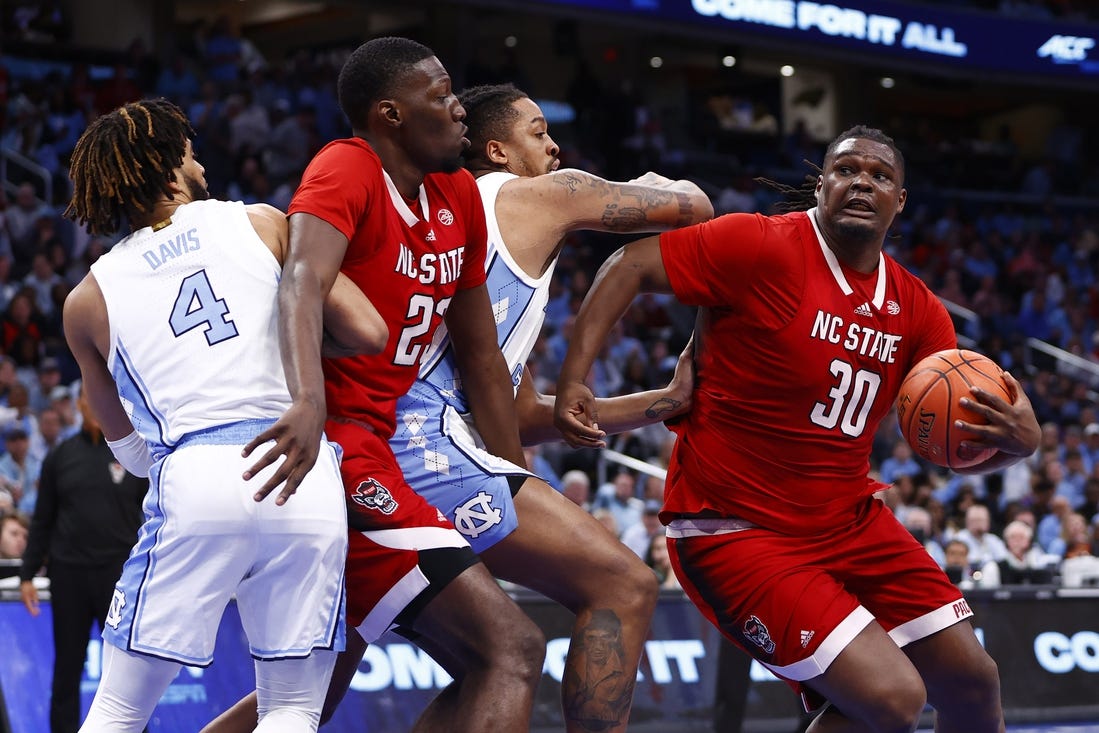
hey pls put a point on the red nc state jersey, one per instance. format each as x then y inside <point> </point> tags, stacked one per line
<point>409,261</point>
<point>799,360</point>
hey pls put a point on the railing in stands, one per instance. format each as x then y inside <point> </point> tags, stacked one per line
<point>1047,357</point>
<point>966,323</point>
<point>9,157</point>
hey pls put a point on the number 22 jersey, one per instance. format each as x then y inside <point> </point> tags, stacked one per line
<point>409,260</point>
<point>799,360</point>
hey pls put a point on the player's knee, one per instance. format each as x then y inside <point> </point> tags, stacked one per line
<point>528,652</point>
<point>899,710</point>
<point>644,588</point>
<point>517,649</point>
<point>970,688</point>
<point>629,586</point>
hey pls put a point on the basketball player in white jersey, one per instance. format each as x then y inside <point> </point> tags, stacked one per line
<point>524,530</point>
<point>176,334</point>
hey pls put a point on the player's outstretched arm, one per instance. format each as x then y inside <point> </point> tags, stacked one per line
<point>1012,427</point>
<point>535,413</point>
<point>633,269</point>
<point>545,208</point>
<point>616,414</point>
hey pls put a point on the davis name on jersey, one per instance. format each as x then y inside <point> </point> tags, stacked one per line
<point>861,340</point>
<point>178,245</point>
<point>432,267</point>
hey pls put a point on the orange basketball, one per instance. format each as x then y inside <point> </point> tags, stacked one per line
<point>928,404</point>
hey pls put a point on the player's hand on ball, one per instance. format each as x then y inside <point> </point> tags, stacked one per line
<point>1011,427</point>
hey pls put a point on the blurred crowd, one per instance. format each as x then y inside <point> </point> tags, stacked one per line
<point>1016,266</point>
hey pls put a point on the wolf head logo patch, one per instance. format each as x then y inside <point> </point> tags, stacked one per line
<point>373,495</point>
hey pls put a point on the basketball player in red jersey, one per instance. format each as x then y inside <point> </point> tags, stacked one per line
<point>393,210</point>
<point>805,333</point>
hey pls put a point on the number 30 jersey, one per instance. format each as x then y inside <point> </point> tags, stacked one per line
<point>799,360</point>
<point>193,319</point>
<point>408,258</point>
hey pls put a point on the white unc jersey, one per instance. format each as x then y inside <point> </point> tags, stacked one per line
<point>518,304</point>
<point>193,311</point>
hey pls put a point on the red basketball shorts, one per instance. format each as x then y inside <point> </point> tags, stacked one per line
<point>401,550</point>
<point>794,603</point>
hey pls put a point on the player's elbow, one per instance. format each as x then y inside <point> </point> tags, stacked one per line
<point>374,338</point>
<point>364,336</point>
<point>370,339</point>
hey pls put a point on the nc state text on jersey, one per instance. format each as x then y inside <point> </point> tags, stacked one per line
<point>433,267</point>
<point>179,245</point>
<point>862,340</point>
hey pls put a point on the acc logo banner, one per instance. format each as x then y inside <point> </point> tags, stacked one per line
<point>1066,49</point>
<point>373,495</point>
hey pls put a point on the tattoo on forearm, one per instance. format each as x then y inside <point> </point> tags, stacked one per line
<point>598,689</point>
<point>686,210</point>
<point>631,207</point>
<point>662,406</point>
<point>623,219</point>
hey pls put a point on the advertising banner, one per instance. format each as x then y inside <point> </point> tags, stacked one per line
<point>1046,644</point>
<point>921,32</point>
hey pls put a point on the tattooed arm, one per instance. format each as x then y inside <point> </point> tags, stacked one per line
<point>535,213</point>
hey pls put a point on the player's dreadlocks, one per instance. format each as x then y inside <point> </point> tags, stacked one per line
<point>798,198</point>
<point>804,196</point>
<point>123,163</point>
<point>489,116</point>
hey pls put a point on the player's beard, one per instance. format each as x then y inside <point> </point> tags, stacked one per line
<point>451,166</point>
<point>857,233</point>
<point>195,189</point>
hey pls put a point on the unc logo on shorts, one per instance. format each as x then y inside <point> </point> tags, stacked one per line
<point>476,516</point>
<point>756,632</point>
<point>114,613</point>
<point>373,495</point>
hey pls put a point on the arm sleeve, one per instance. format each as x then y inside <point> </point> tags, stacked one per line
<point>133,453</point>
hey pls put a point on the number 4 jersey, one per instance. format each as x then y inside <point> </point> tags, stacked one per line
<point>409,258</point>
<point>799,360</point>
<point>183,301</point>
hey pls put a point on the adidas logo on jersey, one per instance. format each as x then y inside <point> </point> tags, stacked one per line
<point>806,637</point>
<point>430,236</point>
<point>864,310</point>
